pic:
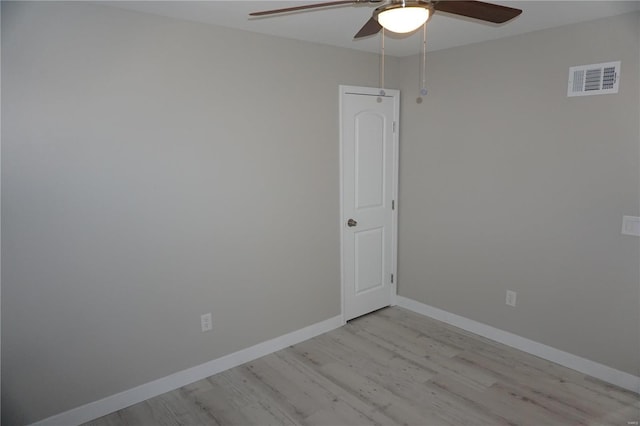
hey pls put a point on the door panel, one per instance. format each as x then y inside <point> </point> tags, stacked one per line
<point>369,259</point>
<point>368,178</point>
<point>369,154</point>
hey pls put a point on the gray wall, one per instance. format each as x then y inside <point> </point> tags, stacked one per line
<point>505,183</point>
<point>154,170</point>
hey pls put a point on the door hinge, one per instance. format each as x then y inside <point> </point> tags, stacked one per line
<point>393,204</point>
<point>391,278</point>
<point>394,127</point>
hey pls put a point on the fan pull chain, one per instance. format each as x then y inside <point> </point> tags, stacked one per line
<point>382,92</point>
<point>423,66</point>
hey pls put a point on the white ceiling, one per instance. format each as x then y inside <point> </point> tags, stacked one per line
<point>336,26</point>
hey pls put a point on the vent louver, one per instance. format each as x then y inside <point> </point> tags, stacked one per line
<point>594,79</point>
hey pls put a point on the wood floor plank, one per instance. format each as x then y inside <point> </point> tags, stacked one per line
<point>349,348</point>
<point>392,367</point>
<point>418,335</point>
<point>419,355</point>
<point>341,413</point>
<point>584,399</point>
<point>340,395</point>
<point>396,408</point>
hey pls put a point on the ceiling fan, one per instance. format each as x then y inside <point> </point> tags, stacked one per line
<point>403,16</point>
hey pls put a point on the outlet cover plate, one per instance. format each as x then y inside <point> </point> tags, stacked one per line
<point>206,323</point>
<point>631,225</point>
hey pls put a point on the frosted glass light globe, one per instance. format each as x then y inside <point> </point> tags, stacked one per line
<point>403,19</point>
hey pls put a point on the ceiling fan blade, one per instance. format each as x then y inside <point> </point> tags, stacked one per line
<point>303,7</point>
<point>370,28</point>
<point>479,10</point>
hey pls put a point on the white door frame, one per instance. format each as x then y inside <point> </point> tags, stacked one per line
<point>388,93</point>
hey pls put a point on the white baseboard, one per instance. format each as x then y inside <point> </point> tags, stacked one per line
<point>583,365</point>
<point>141,393</point>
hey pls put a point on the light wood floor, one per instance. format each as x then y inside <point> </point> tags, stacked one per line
<point>392,367</point>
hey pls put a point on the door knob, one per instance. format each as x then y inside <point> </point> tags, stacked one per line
<point>351,223</point>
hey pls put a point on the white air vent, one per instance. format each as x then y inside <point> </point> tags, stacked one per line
<point>594,79</point>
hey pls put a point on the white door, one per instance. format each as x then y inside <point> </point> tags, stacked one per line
<point>369,159</point>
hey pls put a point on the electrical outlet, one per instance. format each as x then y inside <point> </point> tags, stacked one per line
<point>511,298</point>
<point>206,322</point>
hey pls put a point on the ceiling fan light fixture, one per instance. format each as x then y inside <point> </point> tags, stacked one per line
<point>401,18</point>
